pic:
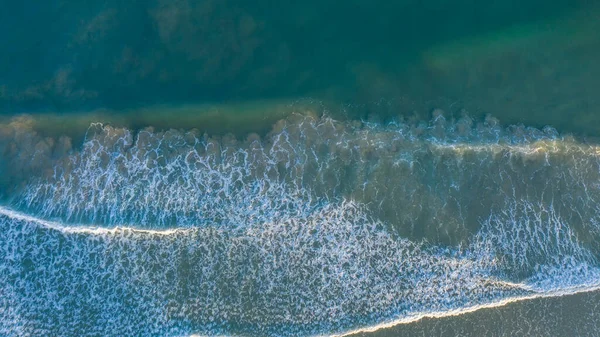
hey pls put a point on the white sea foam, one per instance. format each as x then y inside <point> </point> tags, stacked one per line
<point>321,228</point>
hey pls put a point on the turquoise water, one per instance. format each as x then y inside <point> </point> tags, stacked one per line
<point>247,169</point>
<point>115,54</point>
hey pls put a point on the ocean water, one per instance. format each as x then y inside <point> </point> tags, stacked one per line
<point>227,168</point>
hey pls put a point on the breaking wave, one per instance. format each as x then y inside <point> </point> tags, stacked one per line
<point>321,227</point>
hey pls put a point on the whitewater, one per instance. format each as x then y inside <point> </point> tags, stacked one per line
<point>321,227</point>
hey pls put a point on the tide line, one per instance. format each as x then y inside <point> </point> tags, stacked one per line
<point>466,310</point>
<point>456,312</point>
<point>10,213</point>
<point>536,294</point>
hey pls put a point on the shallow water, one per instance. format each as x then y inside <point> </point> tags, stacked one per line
<point>319,227</point>
<point>164,183</point>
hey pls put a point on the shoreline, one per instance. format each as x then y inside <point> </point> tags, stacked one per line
<point>413,318</point>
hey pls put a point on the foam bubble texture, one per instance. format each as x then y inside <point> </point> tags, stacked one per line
<point>319,228</point>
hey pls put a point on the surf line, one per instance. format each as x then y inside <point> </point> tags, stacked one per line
<point>20,216</point>
<point>81,229</point>
<point>457,312</point>
<point>466,310</point>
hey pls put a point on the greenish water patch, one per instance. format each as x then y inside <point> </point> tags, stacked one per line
<point>238,119</point>
<point>531,68</point>
<point>123,54</point>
